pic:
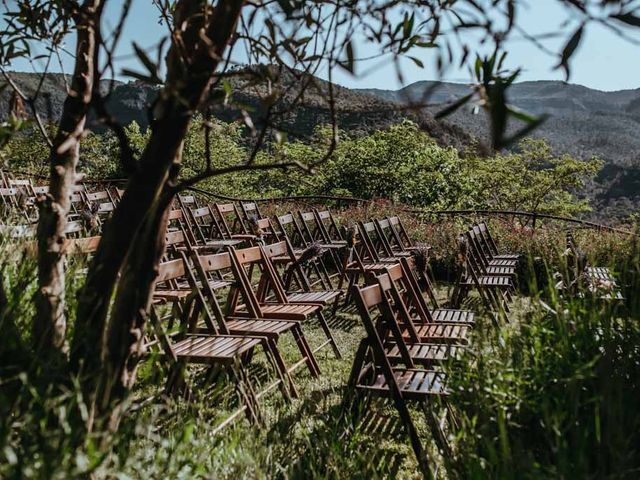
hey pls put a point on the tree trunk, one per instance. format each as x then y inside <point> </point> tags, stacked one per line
<point>106,357</point>
<point>49,326</point>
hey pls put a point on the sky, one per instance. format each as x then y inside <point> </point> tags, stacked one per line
<point>603,61</point>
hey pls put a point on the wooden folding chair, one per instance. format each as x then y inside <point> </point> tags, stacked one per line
<point>391,241</point>
<point>484,247</point>
<point>244,262</point>
<point>208,231</point>
<point>288,228</point>
<point>212,349</point>
<point>372,374</point>
<point>487,265</point>
<point>361,262</point>
<point>250,210</point>
<point>210,267</point>
<point>421,283</point>
<point>403,335</point>
<point>418,323</point>
<point>374,248</point>
<point>229,222</point>
<point>274,254</point>
<point>495,291</point>
<point>328,228</point>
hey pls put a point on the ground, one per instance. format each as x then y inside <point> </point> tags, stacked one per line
<point>308,437</point>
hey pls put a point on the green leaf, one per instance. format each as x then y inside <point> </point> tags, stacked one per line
<point>628,18</point>
<point>569,49</point>
<point>151,67</point>
<point>417,61</point>
<point>454,106</point>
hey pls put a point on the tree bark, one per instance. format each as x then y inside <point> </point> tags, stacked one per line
<point>106,357</point>
<point>49,326</point>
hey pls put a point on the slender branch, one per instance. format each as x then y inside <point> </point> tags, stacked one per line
<point>31,104</point>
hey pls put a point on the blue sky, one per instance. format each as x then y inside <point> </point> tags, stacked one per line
<point>603,61</point>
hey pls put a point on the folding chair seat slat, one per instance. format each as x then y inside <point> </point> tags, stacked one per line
<point>440,333</point>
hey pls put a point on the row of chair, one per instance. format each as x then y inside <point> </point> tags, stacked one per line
<point>234,281</point>
<point>485,269</point>
<point>90,206</point>
<point>409,346</point>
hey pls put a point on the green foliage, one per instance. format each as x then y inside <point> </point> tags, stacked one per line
<point>552,397</point>
<point>532,179</point>
<point>400,163</point>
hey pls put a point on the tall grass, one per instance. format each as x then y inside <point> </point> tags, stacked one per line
<point>553,393</point>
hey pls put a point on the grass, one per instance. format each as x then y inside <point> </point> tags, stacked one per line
<point>553,393</point>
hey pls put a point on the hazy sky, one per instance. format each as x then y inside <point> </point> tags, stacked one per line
<point>603,60</point>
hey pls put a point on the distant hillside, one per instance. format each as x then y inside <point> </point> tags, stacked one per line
<point>357,112</point>
<point>584,122</point>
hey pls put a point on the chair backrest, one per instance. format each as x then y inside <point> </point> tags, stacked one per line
<point>288,227</point>
<point>311,227</point>
<point>23,185</point>
<point>482,242</point>
<point>74,228</point>
<point>175,241</point>
<point>409,295</point>
<point>329,226</point>
<point>204,224</point>
<point>373,247</point>
<point>263,229</point>
<point>482,254</point>
<point>83,245</point>
<point>230,220</point>
<point>379,315</point>
<point>98,196</point>
<point>483,229</point>
<point>400,231</point>
<point>249,210</point>
<point>245,262</point>
<point>171,270</point>
<point>187,201</point>
<point>278,249</point>
<point>419,277</point>
<point>389,236</point>
<point>214,266</point>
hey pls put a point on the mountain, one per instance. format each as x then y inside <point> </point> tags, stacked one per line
<point>582,122</point>
<point>356,112</point>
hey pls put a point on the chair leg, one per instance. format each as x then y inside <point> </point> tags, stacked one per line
<point>352,396</point>
<point>288,388</point>
<point>327,331</point>
<point>436,430</point>
<point>245,390</point>
<point>306,351</point>
<point>416,444</point>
